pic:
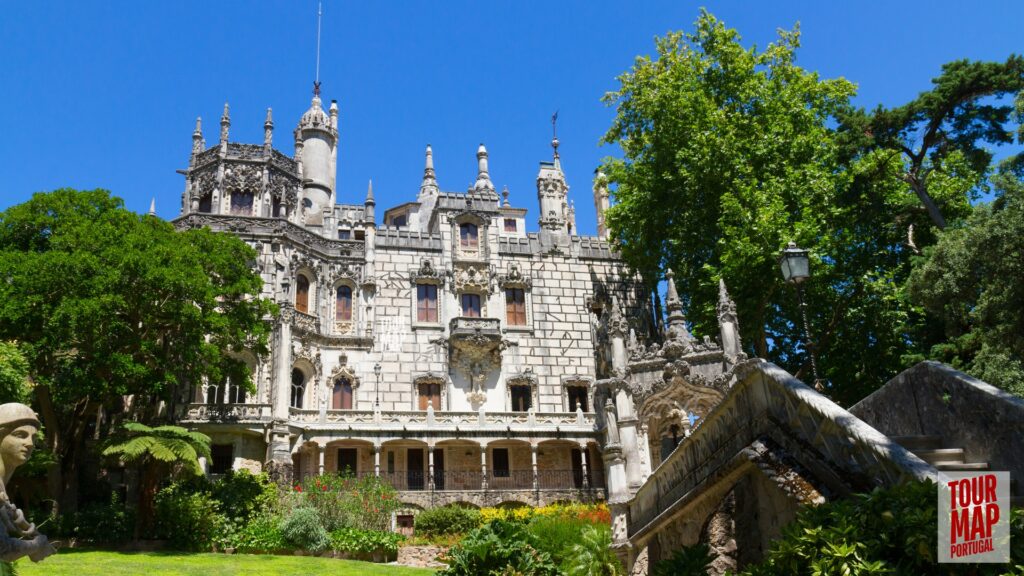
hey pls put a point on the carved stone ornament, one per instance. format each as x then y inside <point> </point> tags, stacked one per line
<point>426,274</point>
<point>302,350</point>
<point>283,188</point>
<point>343,271</point>
<point>18,536</point>
<point>243,178</point>
<point>300,261</point>
<point>618,325</point>
<point>515,279</point>
<point>203,183</point>
<point>472,279</point>
<point>342,371</point>
<point>551,187</point>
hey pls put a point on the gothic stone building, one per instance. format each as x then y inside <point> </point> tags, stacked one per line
<point>442,347</point>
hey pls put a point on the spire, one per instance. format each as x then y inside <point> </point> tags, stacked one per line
<point>601,202</point>
<point>674,305</point>
<point>554,139</point>
<point>429,183</point>
<point>225,123</point>
<point>572,216</point>
<point>726,307</point>
<point>483,178</point>
<point>504,198</point>
<point>268,128</point>
<point>369,193</point>
<point>370,204</point>
<point>197,137</point>
<point>152,207</point>
<point>729,325</point>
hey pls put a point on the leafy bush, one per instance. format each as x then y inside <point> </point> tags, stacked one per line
<point>447,520</point>
<point>188,520</point>
<point>592,555</point>
<point>363,544</point>
<point>244,495</point>
<point>303,530</point>
<point>259,535</point>
<point>553,534</point>
<point>689,561</point>
<point>889,531</point>
<point>593,513</point>
<point>498,547</point>
<point>96,523</point>
<point>346,502</point>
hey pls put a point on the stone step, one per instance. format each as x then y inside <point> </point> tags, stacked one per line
<point>961,466</point>
<point>913,443</point>
<point>941,455</point>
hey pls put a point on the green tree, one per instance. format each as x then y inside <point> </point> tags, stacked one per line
<point>966,108</point>
<point>593,555</point>
<point>106,303</point>
<point>158,453</point>
<point>728,155</point>
<point>972,283</point>
<point>13,373</point>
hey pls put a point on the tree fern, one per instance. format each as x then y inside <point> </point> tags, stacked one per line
<point>593,554</point>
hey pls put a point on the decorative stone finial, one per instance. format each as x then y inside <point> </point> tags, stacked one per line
<point>198,144</point>
<point>618,325</point>
<point>225,123</point>
<point>152,207</point>
<point>504,198</point>
<point>429,184</point>
<point>369,193</point>
<point>676,319</point>
<point>268,128</point>
<point>483,178</point>
<point>726,307</point>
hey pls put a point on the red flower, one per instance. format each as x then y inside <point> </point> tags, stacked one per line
<point>298,488</point>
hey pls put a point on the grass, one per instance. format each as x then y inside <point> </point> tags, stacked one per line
<point>95,563</point>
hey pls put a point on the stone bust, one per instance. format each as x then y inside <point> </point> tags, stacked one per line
<point>18,537</point>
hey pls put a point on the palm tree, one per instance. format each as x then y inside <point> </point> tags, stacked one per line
<point>158,452</point>
<point>593,554</point>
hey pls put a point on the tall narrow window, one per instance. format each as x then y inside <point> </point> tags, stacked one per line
<point>236,393</point>
<point>302,294</point>
<point>343,304</point>
<point>577,395</point>
<point>515,306</point>
<point>469,236</point>
<point>430,395</point>
<point>241,203</point>
<point>298,387</point>
<point>426,303</point>
<point>471,305</point>
<point>215,394</point>
<point>275,208</point>
<point>342,397</point>
<point>520,398</point>
<point>206,204</point>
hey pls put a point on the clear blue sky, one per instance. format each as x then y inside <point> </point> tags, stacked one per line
<point>105,94</point>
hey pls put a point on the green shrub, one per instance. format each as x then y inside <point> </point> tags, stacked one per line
<point>498,547</point>
<point>346,502</point>
<point>447,520</point>
<point>689,561</point>
<point>891,531</point>
<point>302,529</point>
<point>553,534</point>
<point>96,523</point>
<point>260,535</point>
<point>364,544</point>
<point>592,555</point>
<point>188,520</point>
<point>244,495</point>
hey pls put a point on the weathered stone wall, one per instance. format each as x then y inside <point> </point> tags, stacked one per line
<point>421,556</point>
<point>935,400</point>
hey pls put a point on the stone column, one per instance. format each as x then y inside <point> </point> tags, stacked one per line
<point>533,463</point>
<point>322,453</point>
<point>618,328</point>
<point>376,460</point>
<point>584,456</point>
<point>283,374</point>
<point>430,467</point>
<point>483,466</point>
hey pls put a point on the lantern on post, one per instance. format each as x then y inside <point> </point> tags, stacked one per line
<point>796,267</point>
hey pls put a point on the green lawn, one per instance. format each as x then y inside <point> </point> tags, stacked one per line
<point>92,563</point>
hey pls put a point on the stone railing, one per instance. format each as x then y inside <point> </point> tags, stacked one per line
<point>464,324</point>
<point>767,400</point>
<point>226,413</point>
<point>421,420</point>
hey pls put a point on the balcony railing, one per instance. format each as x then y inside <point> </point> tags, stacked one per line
<point>493,480</point>
<point>226,412</point>
<point>424,420</point>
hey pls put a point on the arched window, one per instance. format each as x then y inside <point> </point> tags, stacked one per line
<point>343,304</point>
<point>214,394</point>
<point>469,236</point>
<point>298,387</point>
<point>236,393</point>
<point>302,294</point>
<point>342,397</point>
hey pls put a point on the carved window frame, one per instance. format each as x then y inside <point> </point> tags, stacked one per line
<point>311,296</point>
<point>426,273</point>
<point>582,382</point>
<point>343,371</point>
<point>515,279</point>
<point>345,326</point>
<point>528,379</point>
<point>429,378</point>
<point>482,229</point>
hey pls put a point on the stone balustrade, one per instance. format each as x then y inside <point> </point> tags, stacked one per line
<point>768,401</point>
<point>549,422</point>
<point>196,413</point>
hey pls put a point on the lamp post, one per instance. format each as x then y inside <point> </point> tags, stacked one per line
<point>376,390</point>
<point>795,265</point>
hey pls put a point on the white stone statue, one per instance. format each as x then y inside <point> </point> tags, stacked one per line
<point>18,427</point>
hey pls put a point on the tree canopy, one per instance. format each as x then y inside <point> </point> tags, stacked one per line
<point>105,303</point>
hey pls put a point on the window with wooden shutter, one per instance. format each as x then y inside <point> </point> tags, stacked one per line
<point>515,306</point>
<point>471,305</point>
<point>430,395</point>
<point>342,397</point>
<point>426,303</point>
<point>520,398</point>
<point>343,304</point>
<point>302,294</point>
<point>510,225</point>
<point>469,236</point>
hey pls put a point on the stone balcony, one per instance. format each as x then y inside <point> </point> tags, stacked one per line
<point>444,422</point>
<point>225,413</point>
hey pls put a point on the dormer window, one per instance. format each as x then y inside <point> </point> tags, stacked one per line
<point>510,225</point>
<point>302,294</point>
<point>469,236</point>
<point>400,221</point>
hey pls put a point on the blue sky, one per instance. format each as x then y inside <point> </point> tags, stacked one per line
<point>105,94</point>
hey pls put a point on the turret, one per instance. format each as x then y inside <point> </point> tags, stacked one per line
<point>601,202</point>
<point>552,192</point>
<point>268,131</point>
<point>316,149</point>
<point>429,185</point>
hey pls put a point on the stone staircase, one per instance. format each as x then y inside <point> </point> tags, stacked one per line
<point>931,450</point>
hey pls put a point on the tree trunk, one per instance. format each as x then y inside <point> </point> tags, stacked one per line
<point>148,483</point>
<point>65,441</point>
<point>929,203</point>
